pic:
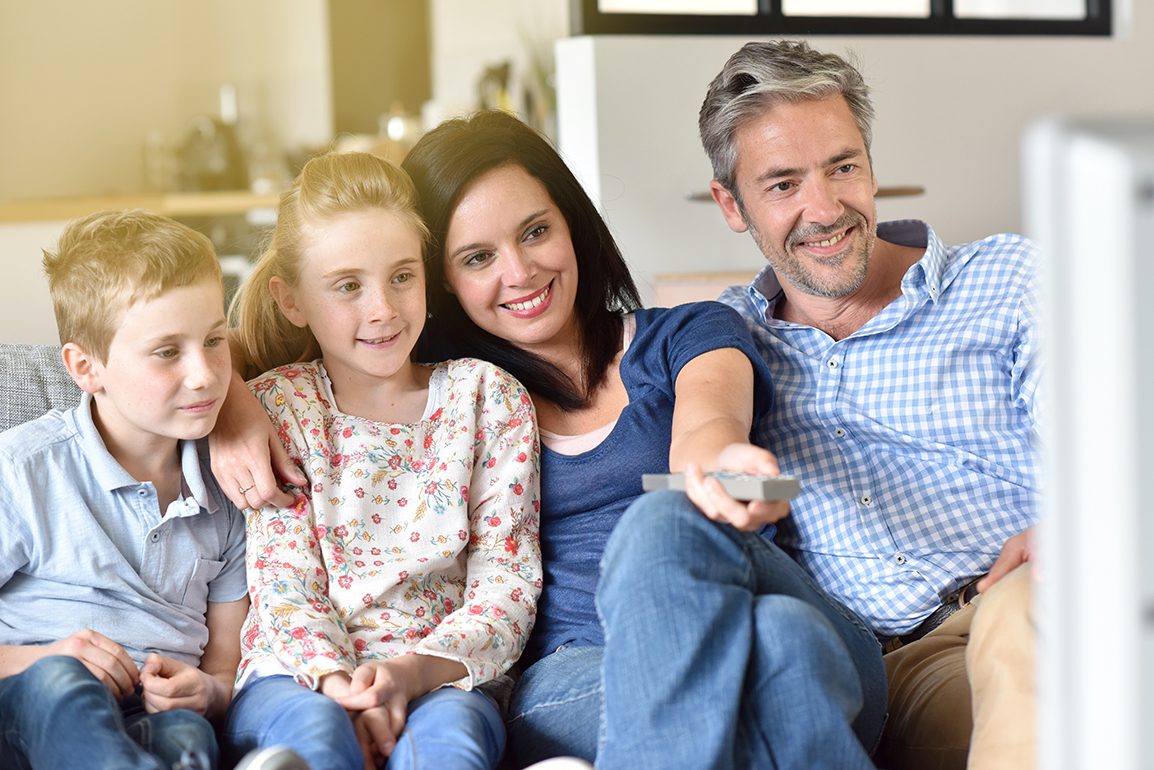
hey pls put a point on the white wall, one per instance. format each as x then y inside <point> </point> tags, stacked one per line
<point>468,36</point>
<point>82,83</point>
<point>951,111</point>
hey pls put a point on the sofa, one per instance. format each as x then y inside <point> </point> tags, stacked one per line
<point>36,381</point>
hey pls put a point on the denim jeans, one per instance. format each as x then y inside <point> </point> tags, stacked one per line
<point>444,728</point>
<point>57,714</point>
<point>720,652</point>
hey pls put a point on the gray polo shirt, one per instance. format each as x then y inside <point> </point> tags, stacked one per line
<point>83,544</point>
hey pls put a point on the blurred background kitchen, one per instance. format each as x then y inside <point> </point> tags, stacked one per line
<point>206,110</point>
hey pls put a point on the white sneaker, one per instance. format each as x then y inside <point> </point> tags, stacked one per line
<point>561,763</point>
<point>272,758</point>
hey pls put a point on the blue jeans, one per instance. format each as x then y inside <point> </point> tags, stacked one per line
<point>720,652</point>
<point>57,714</point>
<point>444,728</point>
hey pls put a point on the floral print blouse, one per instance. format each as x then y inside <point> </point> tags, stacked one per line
<point>417,537</point>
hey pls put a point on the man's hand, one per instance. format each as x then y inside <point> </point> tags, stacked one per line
<point>169,684</point>
<point>106,659</point>
<point>708,494</point>
<point>246,454</point>
<point>1017,550</point>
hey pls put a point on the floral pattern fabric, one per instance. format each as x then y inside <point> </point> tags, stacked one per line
<point>418,537</point>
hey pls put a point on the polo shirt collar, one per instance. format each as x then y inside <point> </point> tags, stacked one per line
<point>112,476</point>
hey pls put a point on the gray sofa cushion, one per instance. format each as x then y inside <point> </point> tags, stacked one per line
<point>35,381</point>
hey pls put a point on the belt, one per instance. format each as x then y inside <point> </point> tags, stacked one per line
<point>951,604</point>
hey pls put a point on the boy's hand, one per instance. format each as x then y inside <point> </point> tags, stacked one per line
<point>169,684</point>
<point>106,659</point>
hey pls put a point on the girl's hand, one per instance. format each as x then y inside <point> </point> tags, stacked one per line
<point>709,496</point>
<point>169,684</point>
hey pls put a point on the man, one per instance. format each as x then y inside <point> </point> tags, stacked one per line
<point>905,377</point>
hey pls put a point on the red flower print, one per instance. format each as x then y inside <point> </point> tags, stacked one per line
<point>392,484</point>
<point>387,638</point>
<point>360,644</point>
<point>475,609</point>
<point>395,462</point>
<point>347,432</point>
<point>341,531</point>
<point>376,517</point>
<point>511,545</point>
<point>298,633</point>
<point>518,489</point>
<point>415,536</point>
<point>465,492</point>
<point>428,441</point>
<point>375,551</point>
<point>395,431</point>
<point>522,457</point>
<point>515,422</point>
<point>359,563</point>
<point>493,521</point>
<point>402,502</point>
<point>367,600</point>
<point>359,492</point>
<point>278,527</point>
<point>462,534</point>
<point>491,463</point>
<point>335,460</point>
<point>448,604</point>
<point>411,633</point>
<point>344,581</point>
<point>516,595</point>
<point>403,574</point>
<point>420,612</point>
<point>357,550</point>
<point>317,488</point>
<point>437,414</point>
<point>259,563</point>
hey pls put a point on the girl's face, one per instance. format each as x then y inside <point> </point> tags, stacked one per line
<point>509,260</point>
<point>362,293</point>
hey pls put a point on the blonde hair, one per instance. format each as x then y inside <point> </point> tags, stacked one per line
<point>327,186</point>
<point>111,260</point>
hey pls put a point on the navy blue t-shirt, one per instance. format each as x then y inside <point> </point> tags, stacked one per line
<point>583,496</point>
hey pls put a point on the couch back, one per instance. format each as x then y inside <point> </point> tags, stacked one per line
<point>35,381</point>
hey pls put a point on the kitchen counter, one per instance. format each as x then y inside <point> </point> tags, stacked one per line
<point>199,204</point>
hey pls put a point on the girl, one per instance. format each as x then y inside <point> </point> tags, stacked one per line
<point>409,560</point>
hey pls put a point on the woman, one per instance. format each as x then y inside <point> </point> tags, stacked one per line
<point>664,637</point>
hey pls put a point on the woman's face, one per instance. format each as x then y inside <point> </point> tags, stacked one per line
<point>510,262</point>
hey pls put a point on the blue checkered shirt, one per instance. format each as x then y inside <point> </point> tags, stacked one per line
<point>916,436</point>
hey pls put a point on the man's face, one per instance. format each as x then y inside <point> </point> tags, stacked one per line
<point>807,194</point>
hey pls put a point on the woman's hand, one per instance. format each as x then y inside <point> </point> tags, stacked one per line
<point>708,494</point>
<point>248,458</point>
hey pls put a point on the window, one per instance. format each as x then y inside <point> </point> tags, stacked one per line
<point>842,17</point>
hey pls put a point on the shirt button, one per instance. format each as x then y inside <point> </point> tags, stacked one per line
<point>839,432</point>
<point>867,500</point>
<point>142,491</point>
<point>155,537</point>
<point>900,558</point>
<point>833,363</point>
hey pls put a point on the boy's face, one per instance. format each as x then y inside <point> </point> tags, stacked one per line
<point>167,369</point>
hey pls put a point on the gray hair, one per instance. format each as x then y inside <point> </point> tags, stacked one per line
<point>761,75</point>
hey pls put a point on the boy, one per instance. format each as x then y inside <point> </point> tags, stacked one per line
<point>122,586</point>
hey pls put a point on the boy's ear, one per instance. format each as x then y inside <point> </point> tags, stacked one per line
<point>286,300</point>
<point>82,367</point>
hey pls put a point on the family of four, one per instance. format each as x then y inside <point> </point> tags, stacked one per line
<point>453,564</point>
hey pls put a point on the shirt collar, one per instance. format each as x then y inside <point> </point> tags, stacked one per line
<point>111,476</point>
<point>928,276</point>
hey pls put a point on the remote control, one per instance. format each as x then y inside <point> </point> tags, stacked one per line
<point>740,486</point>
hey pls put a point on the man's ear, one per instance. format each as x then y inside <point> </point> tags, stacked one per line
<point>729,208</point>
<point>286,300</point>
<point>82,367</point>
